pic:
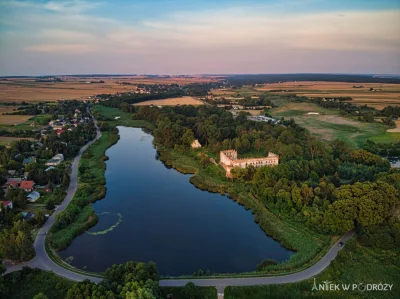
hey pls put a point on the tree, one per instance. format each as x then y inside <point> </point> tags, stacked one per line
<point>188,138</point>
<point>190,291</point>
<point>40,296</point>
<point>17,243</point>
<point>40,218</point>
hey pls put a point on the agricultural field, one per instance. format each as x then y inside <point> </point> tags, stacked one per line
<point>327,124</point>
<point>381,96</point>
<point>12,120</point>
<point>4,140</point>
<point>28,90</point>
<point>171,102</point>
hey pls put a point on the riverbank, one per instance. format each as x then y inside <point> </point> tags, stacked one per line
<point>79,216</point>
<point>309,246</point>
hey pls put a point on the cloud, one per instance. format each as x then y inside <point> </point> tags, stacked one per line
<point>230,38</point>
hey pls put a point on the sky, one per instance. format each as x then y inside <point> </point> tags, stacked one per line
<point>41,37</point>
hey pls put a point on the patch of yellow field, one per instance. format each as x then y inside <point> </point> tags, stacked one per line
<point>13,119</point>
<point>4,109</point>
<point>171,102</point>
<point>8,140</point>
<point>27,89</point>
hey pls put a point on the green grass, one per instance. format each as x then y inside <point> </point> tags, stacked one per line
<point>354,264</point>
<point>27,283</point>
<point>202,292</point>
<point>343,128</point>
<point>124,120</point>
<point>38,119</point>
<point>386,138</point>
<point>90,188</point>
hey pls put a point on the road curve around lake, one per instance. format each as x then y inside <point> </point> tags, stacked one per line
<point>43,261</point>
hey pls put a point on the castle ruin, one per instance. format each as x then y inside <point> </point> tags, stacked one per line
<point>229,159</point>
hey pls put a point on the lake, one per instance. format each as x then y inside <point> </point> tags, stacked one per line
<point>152,213</point>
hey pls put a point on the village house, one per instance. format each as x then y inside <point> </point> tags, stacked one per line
<point>229,159</point>
<point>195,144</point>
<point>33,196</point>
<point>27,216</point>
<point>27,185</point>
<point>56,160</point>
<point>29,160</point>
<point>6,204</point>
<point>12,183</point>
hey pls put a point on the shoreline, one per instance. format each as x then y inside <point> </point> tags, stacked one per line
<point>274,227</point>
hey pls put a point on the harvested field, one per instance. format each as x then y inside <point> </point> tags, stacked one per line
<point>171,102</point>
<point>381,96</point>
<point>13,119</point>
<point>4,109</point>
<point>27,89</point>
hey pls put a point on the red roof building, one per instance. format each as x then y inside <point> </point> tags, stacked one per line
<point>27,185</point>
<point>59,132</point>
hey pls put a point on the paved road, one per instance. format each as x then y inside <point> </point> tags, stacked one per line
<point>221,283</point>
<point>42,260</point>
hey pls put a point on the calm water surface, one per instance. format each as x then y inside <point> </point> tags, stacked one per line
<point>165,219</point>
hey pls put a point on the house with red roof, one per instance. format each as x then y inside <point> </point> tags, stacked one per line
<point>12,183</point>
<point>6,204</point>
<point>27,185</point>
<point>59,132</point>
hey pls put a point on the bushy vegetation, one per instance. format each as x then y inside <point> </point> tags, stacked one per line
<point>28,283</point>
<point>79,215</point>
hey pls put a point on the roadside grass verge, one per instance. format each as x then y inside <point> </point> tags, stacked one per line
<point>366,265</point>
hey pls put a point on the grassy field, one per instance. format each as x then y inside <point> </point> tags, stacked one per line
<point>28,90</point>
<point>328,124</point>
<point>171,102</point>
<point>355,264</point>
<point>125,119</point>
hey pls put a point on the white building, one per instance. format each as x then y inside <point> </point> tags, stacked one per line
<point>56,160</point>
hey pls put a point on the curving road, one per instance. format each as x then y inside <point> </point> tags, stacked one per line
<point>42,260</point>
<point>221,283</point>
